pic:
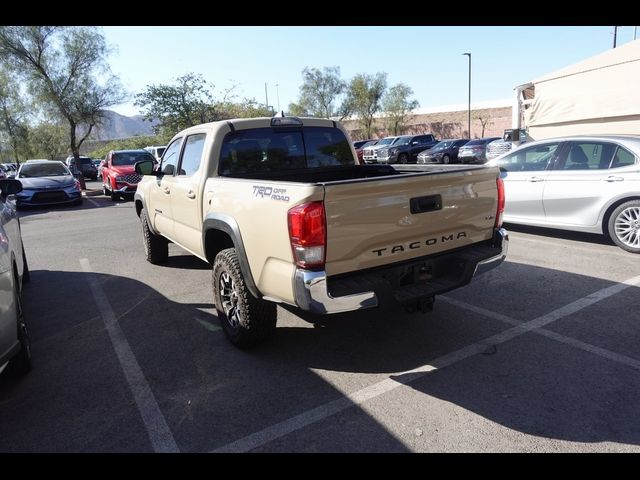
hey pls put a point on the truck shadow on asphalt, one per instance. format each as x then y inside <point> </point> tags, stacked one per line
<point>212,394</point>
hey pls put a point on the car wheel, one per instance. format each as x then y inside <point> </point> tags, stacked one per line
<point>624,226</point>
<point>156,247</point>
<point>245,319</point>
<point>21,363</point>
<point>115,196</point>
<point>445,159</point>
<point>402,158</point>
<point>26,274</point>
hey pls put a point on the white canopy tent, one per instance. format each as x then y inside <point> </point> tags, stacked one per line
<point>599,95</point>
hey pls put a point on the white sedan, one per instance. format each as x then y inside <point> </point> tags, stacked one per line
<point>582,183</point>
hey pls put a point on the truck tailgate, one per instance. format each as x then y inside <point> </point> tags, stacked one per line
<point>370,222</point>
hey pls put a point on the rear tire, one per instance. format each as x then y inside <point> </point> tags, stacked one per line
<point>246,320</point>
<point>156,247</point>
<point>21,364</point>
<point>624,226</point>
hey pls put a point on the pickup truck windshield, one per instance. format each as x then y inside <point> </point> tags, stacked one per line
<point>130,158</point>
<point>277,149</point>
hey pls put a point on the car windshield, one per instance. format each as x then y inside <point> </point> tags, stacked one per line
<point>442,145</point>
<point>401,141</point>
<point>273,150</point>
<point>130,158</point>
<point>386,141</point>
<point>52,169</point>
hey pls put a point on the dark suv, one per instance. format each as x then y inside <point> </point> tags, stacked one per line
<point>87,167</point>
<point>406,149</point>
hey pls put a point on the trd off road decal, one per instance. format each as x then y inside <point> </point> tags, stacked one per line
<point>262,191</point>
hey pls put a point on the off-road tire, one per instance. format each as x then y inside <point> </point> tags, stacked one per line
<point>252,320</point>
<point>156,247</point>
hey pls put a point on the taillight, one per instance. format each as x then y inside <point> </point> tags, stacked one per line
<point>308,234</point>
<point>500,209</point>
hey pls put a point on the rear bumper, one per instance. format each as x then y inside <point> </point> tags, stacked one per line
<point>401,283</point>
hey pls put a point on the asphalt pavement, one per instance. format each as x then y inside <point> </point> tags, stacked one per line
<point>539,355</point>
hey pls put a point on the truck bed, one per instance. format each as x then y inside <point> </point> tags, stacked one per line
<point>326,175</point>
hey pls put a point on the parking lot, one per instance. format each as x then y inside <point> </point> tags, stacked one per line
<point>539,355</point>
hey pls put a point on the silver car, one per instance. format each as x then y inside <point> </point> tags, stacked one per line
<point>582,183</point>
<point>15,346</point>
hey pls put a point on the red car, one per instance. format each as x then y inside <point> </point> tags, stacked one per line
<point>119,178</point>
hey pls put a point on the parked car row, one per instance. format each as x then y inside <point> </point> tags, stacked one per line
<point>422,149</point>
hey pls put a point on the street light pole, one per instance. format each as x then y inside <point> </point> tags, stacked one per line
<point>469,107</point>
<point>278,95</point>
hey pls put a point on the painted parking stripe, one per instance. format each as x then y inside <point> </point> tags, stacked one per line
<point>157,428</point>
<point>587,347</point>
<point>326,410</point>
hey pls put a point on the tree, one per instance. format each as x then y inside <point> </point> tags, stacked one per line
<point>61,66</point>
<point>13,118</point>
<point>363,97</point>
<point>319,93</point>
<point>484,119</point>
<point>48,139</point>
<point>188,102</point>
<point>397,105</point>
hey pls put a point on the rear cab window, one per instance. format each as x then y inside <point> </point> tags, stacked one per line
<point>280,149</point>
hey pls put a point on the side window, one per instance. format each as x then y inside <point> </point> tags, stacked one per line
<point>531,159</point>
<point>192,154</point>
<point>588,156</point>
<point>170,158</point>
<point>622,158</point>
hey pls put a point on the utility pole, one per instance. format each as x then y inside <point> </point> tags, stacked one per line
<point>469,108</point>
<point>278,96</point>
<point>266,96</point>
<point>634,32</point>
<point>615,35</point>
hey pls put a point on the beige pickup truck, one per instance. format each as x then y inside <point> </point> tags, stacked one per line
<point>284,213</point>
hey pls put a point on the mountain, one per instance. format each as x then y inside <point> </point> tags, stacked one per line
<point>118,126</point>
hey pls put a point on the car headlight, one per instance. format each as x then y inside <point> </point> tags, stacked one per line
<point>393,151</point>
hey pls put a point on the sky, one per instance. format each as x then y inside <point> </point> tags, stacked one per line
<point>427,58</point>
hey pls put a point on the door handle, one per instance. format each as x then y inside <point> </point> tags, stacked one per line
<point>535,179</point>
<point>166,190</point>
<point>613,178</point>
<point>190,194</point>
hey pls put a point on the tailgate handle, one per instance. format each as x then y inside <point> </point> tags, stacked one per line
<point>426,204</point>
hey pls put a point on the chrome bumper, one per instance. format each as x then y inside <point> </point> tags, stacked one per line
<point>312,295</point>
<point>500,240</point>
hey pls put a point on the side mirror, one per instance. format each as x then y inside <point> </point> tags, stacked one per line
<point>10,186</point>
<point>145,168</point>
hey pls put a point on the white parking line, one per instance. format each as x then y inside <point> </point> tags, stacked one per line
<point>587,347</point>
<point>159,432</point>
<point>309,417</point>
